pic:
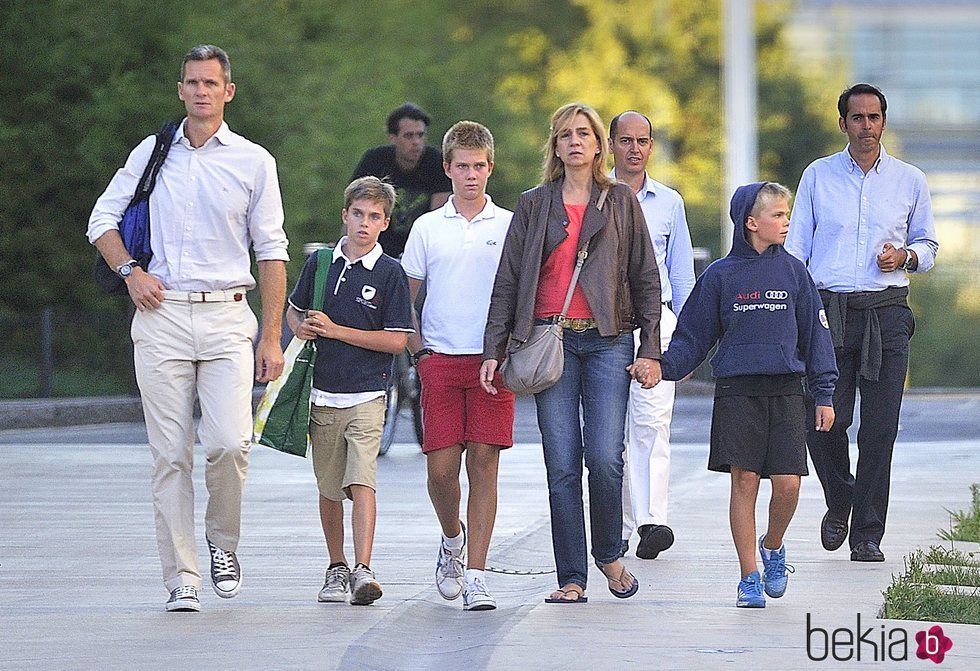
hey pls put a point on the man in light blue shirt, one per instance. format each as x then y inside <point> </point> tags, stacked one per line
<point>862,221</point>
<point>647,464</point>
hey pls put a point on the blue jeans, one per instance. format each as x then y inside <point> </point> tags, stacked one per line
<point>595,380</point>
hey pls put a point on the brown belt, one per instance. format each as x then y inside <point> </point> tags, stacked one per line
<point>572,323</point>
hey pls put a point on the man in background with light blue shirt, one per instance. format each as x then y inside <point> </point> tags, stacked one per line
<point>647,464</point>
<point>862,222</point>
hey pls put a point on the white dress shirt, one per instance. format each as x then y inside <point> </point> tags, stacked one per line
<point>209,205</point>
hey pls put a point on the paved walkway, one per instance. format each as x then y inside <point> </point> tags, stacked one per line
<point>80,583</point>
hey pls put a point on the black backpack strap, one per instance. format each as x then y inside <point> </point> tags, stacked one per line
<point>165,138</point>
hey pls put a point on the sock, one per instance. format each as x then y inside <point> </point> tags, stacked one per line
<point>473,573</point>
<point>336,564</point>
<point>455,543</point>
<point>766,552</point>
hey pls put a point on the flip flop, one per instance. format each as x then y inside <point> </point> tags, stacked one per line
<point>579,596</point>
<point>621,594</point>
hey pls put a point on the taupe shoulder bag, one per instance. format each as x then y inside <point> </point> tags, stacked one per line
<point>537,364</point>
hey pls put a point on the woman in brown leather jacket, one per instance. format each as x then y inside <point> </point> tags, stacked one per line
<point>582,417</point>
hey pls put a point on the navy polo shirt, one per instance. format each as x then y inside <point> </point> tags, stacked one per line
<point>369,294</point>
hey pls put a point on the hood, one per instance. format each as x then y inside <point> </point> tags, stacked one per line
<point>741,207</point>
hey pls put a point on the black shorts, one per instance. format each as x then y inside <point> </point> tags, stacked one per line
<point>762,434</point>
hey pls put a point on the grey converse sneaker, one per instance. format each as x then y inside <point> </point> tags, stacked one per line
<point>365,589</point>
<point>184,599</point>
<point>449,569</point>
<point>336,585</point>
<point>226,574</point>
<point>476,596</point>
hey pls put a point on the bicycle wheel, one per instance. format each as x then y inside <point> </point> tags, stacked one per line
<point>414,398</point>
<point>392,401</point>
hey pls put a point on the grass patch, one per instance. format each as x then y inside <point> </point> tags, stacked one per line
<point>965,524</point>
<point>915,594</point>
<point>937,554</point>
<point>918,593</point>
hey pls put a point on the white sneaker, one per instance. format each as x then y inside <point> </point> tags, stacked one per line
<point>449,569</point>
<point>226,574</point>
<point>365,589</point>
<point>336,585</point>
<point>184,599</point>
<point>476,596</point>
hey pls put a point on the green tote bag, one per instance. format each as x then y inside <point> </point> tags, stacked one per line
<point>282,418</point>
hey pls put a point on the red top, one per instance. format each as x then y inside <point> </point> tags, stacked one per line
<point>556,274</point>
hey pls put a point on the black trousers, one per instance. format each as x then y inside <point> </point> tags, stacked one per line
<point>864,494</point>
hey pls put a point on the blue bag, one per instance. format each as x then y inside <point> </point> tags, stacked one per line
<point>134,227</point>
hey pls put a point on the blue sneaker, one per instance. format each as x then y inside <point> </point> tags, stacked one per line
<point>774,570</point>
<point>750,592</point>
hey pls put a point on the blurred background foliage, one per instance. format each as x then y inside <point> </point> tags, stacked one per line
<point>85,80</point>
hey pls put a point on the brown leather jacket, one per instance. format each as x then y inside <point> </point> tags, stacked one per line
<point>619,278</point>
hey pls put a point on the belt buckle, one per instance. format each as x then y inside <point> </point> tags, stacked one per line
<point>578,325</point>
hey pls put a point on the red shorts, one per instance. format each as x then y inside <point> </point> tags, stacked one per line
<point>456,410</point>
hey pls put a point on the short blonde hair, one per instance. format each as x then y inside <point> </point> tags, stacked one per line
<point>770,192</point>
<point>372,189</point>
<point>553,169</point>
<point>467,135</point>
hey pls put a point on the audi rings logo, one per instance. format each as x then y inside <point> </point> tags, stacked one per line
<point>777,295</point>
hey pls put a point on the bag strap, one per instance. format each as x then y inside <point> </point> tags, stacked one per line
<point>165,138</point>
<point>579,262</point>
<point>602,199</point>
<point>324,257</point>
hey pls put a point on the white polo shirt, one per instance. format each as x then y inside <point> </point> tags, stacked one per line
<point>458,259</point>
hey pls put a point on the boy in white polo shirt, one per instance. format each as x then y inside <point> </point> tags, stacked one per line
<point>455,250</point>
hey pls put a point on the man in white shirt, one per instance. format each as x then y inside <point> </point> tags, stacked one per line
<point>193,332</point>
<point>647,464</point>
<point>455,250</point>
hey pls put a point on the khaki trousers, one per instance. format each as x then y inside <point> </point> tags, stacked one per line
<point>183,350</point>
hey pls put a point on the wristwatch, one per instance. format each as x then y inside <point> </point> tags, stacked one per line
<point>421,353</point>
<point>907,263</point>
<point>126,269</point>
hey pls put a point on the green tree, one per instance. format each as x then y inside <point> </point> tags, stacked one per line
<point>664,59</point>
<point>84,82</point>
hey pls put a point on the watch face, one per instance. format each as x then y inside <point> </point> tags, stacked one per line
<point>125,271</point>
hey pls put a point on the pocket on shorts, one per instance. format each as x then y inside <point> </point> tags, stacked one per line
<point>322,417</point>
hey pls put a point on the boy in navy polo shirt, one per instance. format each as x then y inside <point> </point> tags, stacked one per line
<point>366,317</point>
<point>761,307</point>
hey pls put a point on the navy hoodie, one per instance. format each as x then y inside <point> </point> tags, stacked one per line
<point>763,310</point>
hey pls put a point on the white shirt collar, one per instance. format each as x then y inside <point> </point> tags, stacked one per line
<point>222,135</point>
<point>489,210</point>
<point>368,260</point>
<point>851,165</point>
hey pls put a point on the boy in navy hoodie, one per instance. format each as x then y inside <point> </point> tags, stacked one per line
<point>761,307</point>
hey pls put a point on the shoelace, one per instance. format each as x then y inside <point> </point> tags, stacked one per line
<point>780,567</point>
<point>337,578</point>
<point>452,563</point>
<point>224,563</point>
<point>185,592</point>
<point>750,587</point>
<point>477,586</point>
